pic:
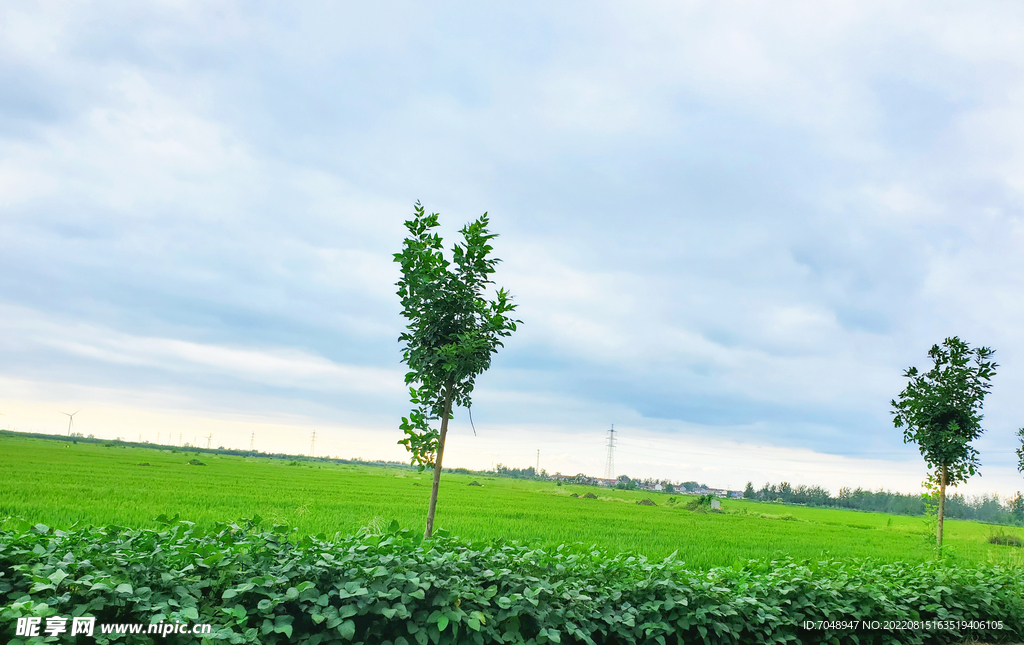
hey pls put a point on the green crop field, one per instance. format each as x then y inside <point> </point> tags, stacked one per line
<point>60,484</point>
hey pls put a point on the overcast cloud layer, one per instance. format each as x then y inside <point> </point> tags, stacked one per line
<point>729,227</point>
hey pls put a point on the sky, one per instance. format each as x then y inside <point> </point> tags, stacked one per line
<point>728,227</point>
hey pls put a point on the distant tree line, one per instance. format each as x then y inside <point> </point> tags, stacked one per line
<point>983,508</point>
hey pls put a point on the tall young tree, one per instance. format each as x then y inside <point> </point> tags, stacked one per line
<point>940,411</point>
<point>452,332</point>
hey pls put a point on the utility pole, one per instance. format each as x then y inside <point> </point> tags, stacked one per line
<point>609,466</point>
<point>537,470</point>
<point>312,442</point>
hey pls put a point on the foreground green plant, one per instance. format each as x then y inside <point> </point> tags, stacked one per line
<point>268,586</point>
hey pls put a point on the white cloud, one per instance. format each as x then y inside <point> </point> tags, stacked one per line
<point>278,367</point>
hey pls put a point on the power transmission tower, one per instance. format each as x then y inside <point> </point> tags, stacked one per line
<point>208,441</point>
<point>252,439</point>
<point>537,471</point>
<point>312,442</point>
<point>609,465</point>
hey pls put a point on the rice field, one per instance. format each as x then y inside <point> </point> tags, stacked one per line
<point>61,484</point>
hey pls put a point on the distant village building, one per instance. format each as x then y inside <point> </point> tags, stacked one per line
<point>717,492</point>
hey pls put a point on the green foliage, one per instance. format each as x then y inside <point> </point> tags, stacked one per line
<point>1020,451</point>
<point>452,328</point>
<point>931,515</point>
<point>1017,508</point>
<point>267,586</point>
<point>700,504</point>
<point>1005,539</point>
<point>940,410</point>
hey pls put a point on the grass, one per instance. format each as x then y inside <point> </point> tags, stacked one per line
<point>60,484</point>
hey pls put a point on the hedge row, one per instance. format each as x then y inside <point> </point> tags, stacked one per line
<point>270,586</point>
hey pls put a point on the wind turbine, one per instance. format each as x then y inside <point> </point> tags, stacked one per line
<point>71,419</point>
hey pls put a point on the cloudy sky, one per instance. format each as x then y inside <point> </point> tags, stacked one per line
<point>729,226</point>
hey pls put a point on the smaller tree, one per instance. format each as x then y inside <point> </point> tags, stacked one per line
<point>1017,503</point>
<point>1020,451</point>
<point>940,411</point>
<point>749,492</point>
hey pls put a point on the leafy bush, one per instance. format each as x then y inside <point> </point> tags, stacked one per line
<point>271,586</point>
<point>701,504</point>
<point>1005,539</point>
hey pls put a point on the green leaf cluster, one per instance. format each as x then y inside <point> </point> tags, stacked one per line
<point>269,586</point>
<point>1020,450</point>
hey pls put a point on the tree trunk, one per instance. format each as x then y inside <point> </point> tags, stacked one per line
<point>942,507</point>
<point>437,462</point>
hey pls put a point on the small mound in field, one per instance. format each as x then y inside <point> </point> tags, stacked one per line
<point>415,483</point>
<point>145,463</point>
<point>475,483</point>
<point>576,495</point>
<point>590,496</point>
<point>646,502</point>
<point>195,462</point>
<point>1006,540</point>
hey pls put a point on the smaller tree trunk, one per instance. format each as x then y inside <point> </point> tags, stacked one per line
<point>942,507</point>
<point>437,462</point>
